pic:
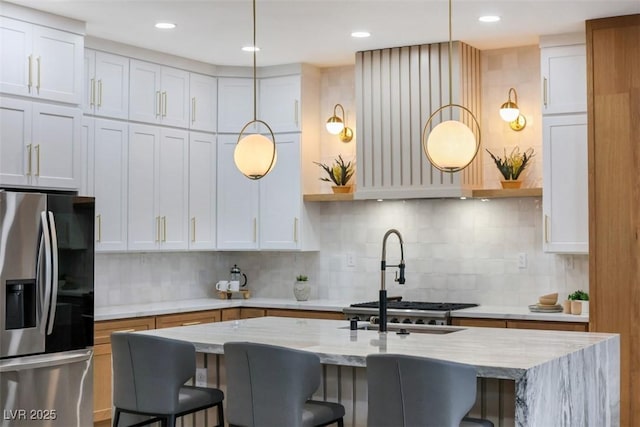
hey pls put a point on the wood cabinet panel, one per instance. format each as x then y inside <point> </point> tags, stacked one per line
<point>103,330</point>
<point>307,314</point>
<point>230,314</point>
<point>549,326</point>
<point>187,319</point>
<point>483,323</point>
<point>248,313</point>
<point>101,382</point>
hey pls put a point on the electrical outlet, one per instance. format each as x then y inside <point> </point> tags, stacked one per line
<point>351,259</point>
<point>201,377</point>
<point>522,260</point>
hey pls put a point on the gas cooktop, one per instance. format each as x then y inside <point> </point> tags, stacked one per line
<point>417,305</point>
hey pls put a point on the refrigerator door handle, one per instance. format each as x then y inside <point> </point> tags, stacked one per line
<point>54,273</point>
<point>44,360</point>
<point>46,302</point>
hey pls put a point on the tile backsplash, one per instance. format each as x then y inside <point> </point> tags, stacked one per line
<point>455,250</point>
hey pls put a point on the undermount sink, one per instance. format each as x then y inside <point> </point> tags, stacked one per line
<point>418,329</point>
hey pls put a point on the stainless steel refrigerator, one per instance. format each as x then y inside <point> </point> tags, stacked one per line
<point>46,303</point>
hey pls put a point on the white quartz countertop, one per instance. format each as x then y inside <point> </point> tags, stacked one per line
<point>517,313</point>
<point>496,352</point>
<point>183,306</point>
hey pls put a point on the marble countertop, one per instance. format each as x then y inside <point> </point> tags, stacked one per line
<point>183,306</point>
<point>496,352</point>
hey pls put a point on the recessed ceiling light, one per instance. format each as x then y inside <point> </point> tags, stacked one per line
<point>251,48</point>
<point>360,34</point>
<point>489,18</point>
<point>165,25</point>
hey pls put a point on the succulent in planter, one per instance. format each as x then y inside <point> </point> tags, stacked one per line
<point>512,165</point>
<point>578,296</point>
<point>301,288</point>
<point>339,173</point>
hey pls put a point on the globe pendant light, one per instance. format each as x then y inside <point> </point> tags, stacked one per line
<point>451,145</point>
<point>255,154</point>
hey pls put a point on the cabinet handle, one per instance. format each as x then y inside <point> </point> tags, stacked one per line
<point>158,102</point>
<point>164,228</point>
<point>193,229</point>
<point>193,109</point>
<point>164,104</point>
<point>157,229</point>
<point>38,85</point>
<point>295,113</point>
<point>37,160</point>
<point>92,94</point>
<point>99,221</point>
<point>255,229</point>
<point>544,91</point>
<point>191,323</point>
<point>546,228</point>
<point>30,72</point>
<point>100,93</point>
<point>29,159</point>
<point>295,230</point>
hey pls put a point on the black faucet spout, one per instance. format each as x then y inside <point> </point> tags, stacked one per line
<point>382,303</point>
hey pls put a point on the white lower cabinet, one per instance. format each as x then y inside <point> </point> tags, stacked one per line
<point>158,188</point>
<point>266,214</point>
<point>107,161</point>
<point>565,192</point>
<point>39,144</point>
<point>202,191</point>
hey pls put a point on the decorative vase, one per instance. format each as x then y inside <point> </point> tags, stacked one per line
<point>566,306</point>
<point>511,183</point>
<point>576,307</point>
<point>301,290</point>
<point>342,188</point>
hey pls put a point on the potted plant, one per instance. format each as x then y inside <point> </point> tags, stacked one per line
<point>579,302</point>
<point>301,288</point>
<point>512,165</point>
<point>339,173</point>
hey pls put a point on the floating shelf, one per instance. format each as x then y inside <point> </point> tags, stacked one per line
<point>493,193</point>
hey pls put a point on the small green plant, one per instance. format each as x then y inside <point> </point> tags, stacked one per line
<point>512,165</point>
<point>339,173</point>
<point>301,278</point>
<point>579,296</point>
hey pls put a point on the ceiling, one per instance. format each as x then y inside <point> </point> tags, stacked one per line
<point>318,31</point>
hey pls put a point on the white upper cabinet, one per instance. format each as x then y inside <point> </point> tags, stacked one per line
<point>202,191</point>
<point>279,103</point>
<point>281,198</point>
<point>204,102</point>
<point>238,201</point>
<point>235,103</point>
<point>565,195</point>
<point>564,79</point>
<point>158,94</point>
<point>158,188</point>
<point>106,84</point>
<point>40,62</point>
<point>107,151</point>
<point>39,144</point>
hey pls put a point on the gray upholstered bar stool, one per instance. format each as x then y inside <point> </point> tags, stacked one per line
<point>270,386</point>
<point>149,374</point>
<point>407,391</point>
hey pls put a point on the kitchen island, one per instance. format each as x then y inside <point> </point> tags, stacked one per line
<point>560,378</point>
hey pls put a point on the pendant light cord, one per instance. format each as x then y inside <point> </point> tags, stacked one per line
<point>450,57</point>
<point>255,48</point>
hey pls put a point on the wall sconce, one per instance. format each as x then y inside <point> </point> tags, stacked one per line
<point>336,125</point>
<point>510,112</point>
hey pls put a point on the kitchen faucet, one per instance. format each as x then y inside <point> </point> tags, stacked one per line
<point>382,305</point>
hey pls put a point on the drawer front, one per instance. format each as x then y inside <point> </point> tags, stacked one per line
<point>306,314</point>
<point>230,314</point>
<point>248,313</point>
<point>187,319</point>
<point>483,323</point>
<point>550,326</point>
<point>103,330</point>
